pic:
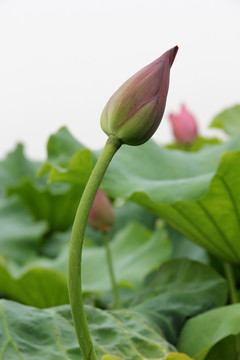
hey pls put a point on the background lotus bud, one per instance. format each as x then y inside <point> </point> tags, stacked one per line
<point>101,215</point>
<point>135,110</point>
<point>184,126</point>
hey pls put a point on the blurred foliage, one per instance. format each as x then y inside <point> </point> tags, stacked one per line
<point>177,216</point>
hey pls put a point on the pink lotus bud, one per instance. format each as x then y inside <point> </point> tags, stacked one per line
<point>184,126</point>
<point>101,215</point>
<point>135,110</point>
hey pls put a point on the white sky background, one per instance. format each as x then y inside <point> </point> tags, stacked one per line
<point>60,61</point>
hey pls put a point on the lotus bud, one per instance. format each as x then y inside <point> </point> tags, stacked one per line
<point>184,126</point>
<point>101,215</point>
<point>135,110</point>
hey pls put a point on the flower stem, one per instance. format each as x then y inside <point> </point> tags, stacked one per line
<point>111,271</point>
<point>231,283</point>
<point>233,297</point>
<point>75,248</point>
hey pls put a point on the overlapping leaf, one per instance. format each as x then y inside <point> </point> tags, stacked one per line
<point>37,286</point>
<point>68,161</point>
<point>225,349</point>
<point>202,332</point>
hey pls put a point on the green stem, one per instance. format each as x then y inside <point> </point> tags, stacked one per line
<point>231,283</point>
<point>75,249</point>
<point>233,297</point>
<point>111,271</point>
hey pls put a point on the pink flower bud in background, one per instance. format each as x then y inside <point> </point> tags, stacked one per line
<point>184,126</point>
<point>135,110</point>
<point>101,215</point>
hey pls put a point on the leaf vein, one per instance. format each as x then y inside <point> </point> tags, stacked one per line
<point>205,239</point>
<point>126,335</point>
<point>59,342</point>
<point>9,340</point>
<point>224,238</point>
<point>231,196</point>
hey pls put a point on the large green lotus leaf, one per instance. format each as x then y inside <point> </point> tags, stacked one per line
<point>174,185</point>
<point>178,290</point>
<point>16,167</point>
<point>228,120</point>
<point>163,175</point>
<point>28,333</point>
<point>212,220</point>
<point>20,235</point>
<point>201,333</point>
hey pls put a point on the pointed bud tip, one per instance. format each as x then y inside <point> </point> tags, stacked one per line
<point>131,114</point>
<point>172,55</point>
